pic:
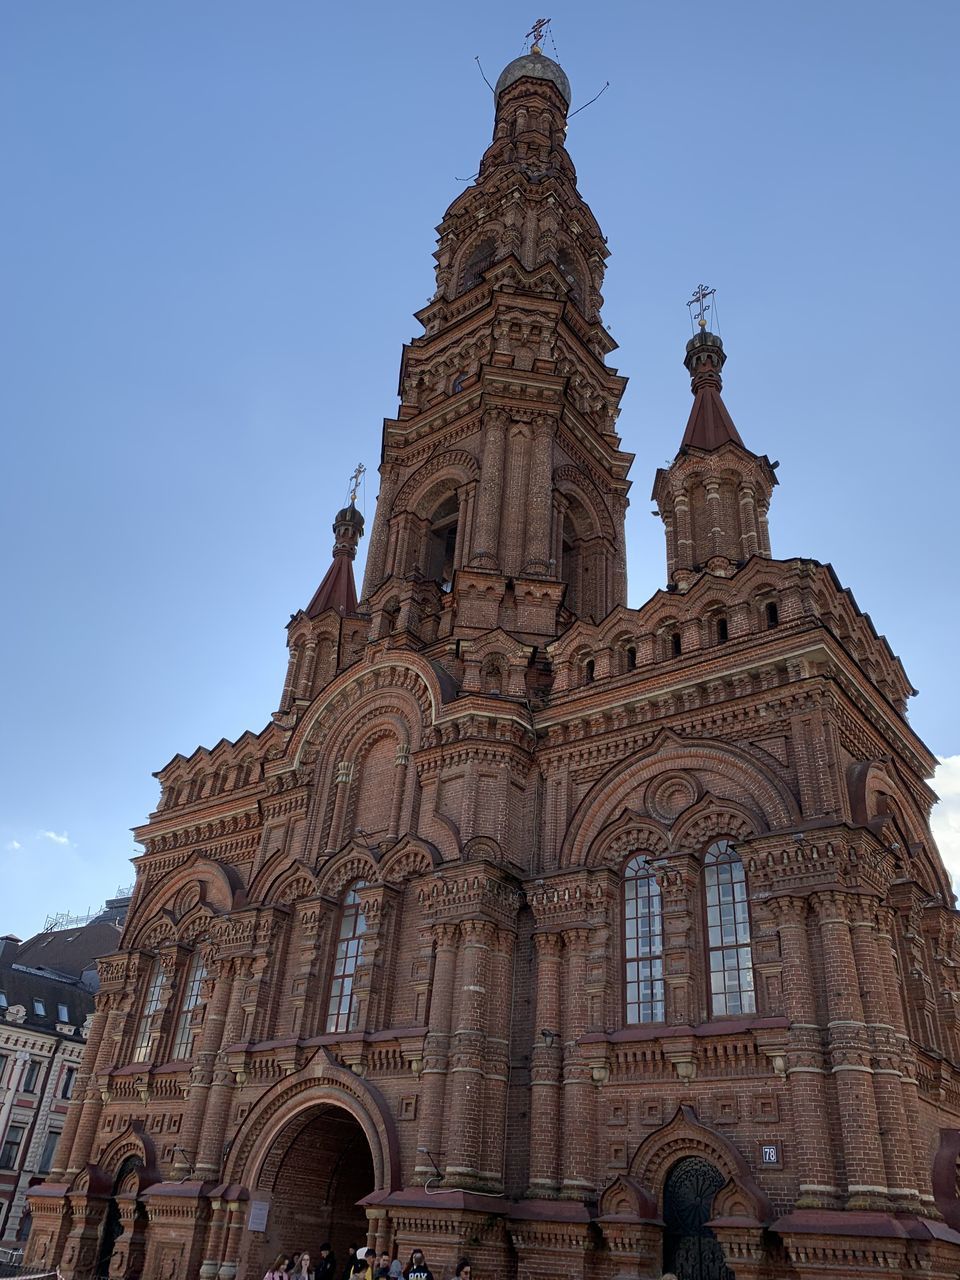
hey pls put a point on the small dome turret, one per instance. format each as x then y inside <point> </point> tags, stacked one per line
<point>536,66</point>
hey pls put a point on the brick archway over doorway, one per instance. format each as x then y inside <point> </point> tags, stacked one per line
<point>315,1173</point>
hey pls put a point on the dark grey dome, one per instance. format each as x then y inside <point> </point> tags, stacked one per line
<point>539,68</point>
<point>349,515</point>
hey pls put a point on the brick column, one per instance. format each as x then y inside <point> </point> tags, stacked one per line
<point>684,539</point>
<point>909,1086</point>
<point>806,1076</point>
<point>468,1044</point>
<point>436,1045</point>
<point>237,1212</point>
<point>496,1061</point>
<point>749,533</point>
<point>546,1059</point>
<point>485,550</point>
<point>379,536</point>
<point>401,764</point>
<point>849,1056</point>
<point>343,777</point>
<point>220,1092</point>
<point>216,1000</point>
<point>578,1089</point>
<point>540,498</point>
<point>891,1113</point>
<point>313,923</point>
<point>377,902</point>
<point>86,1078</point>
<point>679,884</point>
<point>216,1233</point>
<point>92,1105</point>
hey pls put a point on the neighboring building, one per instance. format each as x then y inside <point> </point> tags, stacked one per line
<point>535,926</point>
<point>47,987</point>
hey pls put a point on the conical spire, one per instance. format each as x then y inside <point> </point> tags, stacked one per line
<point>709,425</point>
<point>338,590</point>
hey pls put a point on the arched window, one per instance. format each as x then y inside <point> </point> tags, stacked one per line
<point>723,631</point>
<point>456,386</point>
<point>185,1033</point>
<point>349,942</point>
<point>151,1003</point>
<point>631,656</point>
<point>589,671</point>
<point>728,931</point>
<point>676,644</point>
<point>442,543</point>
<point>772,614</point>
<point>643,942</point>
<point>481,257</point>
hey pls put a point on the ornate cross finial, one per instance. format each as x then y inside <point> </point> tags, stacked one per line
<point>355,481</point>
<point>699,300</point>
<point>536,34</point>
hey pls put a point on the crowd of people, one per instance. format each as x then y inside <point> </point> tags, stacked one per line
<point>361,1264</point>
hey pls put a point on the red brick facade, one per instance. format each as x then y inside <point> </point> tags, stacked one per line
<point>533,923</point>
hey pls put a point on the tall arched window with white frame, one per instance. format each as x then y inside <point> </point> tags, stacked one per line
<point>186,1032</point>
<point>151,1003</point>
<point>729,953</point>
<point>643,942</point>
<point>349,941</point>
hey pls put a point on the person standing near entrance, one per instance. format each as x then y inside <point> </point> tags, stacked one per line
<point>279,1269</point>
<point>326,1268</point>
<point>463,1270</point>
<point>303,1270</point>
<point>418,1269</point>
<point>351,1259</point>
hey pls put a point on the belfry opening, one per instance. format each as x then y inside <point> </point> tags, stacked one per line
<point>313,1179</point>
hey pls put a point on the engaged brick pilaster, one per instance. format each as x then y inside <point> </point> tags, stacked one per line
<point>578,1107</point>
<point>378,903</point>
<point>220,1093</point>
<point>468,1045</point>
<point>108,1052</point>
<point>486,543</point>
<point>891,1113</point>
<point>806,1074</point>
<point>496,1060</point>
<point>546,1063</point>
<point>679,886</point>
<point>849,1054</point>
<point>909,1086</point>
<point>377,552</point>
<point>433,1079</point>
<point>217,1001</point>
<point>540,499</point>
<point>86,1078</point>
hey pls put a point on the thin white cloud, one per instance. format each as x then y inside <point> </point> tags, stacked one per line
<point>945,819</point>
<point>52,835</point>
<point>13,845</point>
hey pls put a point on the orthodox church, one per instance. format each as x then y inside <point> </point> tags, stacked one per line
<point>580,939</point>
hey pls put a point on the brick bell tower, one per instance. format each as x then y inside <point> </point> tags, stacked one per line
<point>585,940</point>
<point>520,522</point>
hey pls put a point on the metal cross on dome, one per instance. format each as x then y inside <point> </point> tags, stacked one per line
<point>355,481</point>
<point>536,34</point>
<point>699,300</point>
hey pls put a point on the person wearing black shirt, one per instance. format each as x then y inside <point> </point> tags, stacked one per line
<point>418,1269</point>
<point>326,1268</point>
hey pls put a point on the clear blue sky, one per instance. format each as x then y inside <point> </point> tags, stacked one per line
<point>217,221</point>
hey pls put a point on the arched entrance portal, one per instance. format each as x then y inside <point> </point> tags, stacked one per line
<point>316,1171</point>
<point>690,1249</point>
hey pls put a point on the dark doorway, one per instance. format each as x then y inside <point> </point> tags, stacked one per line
<point>127,1180</point>
<point>317,1171</point>
<point>690,1249</point>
